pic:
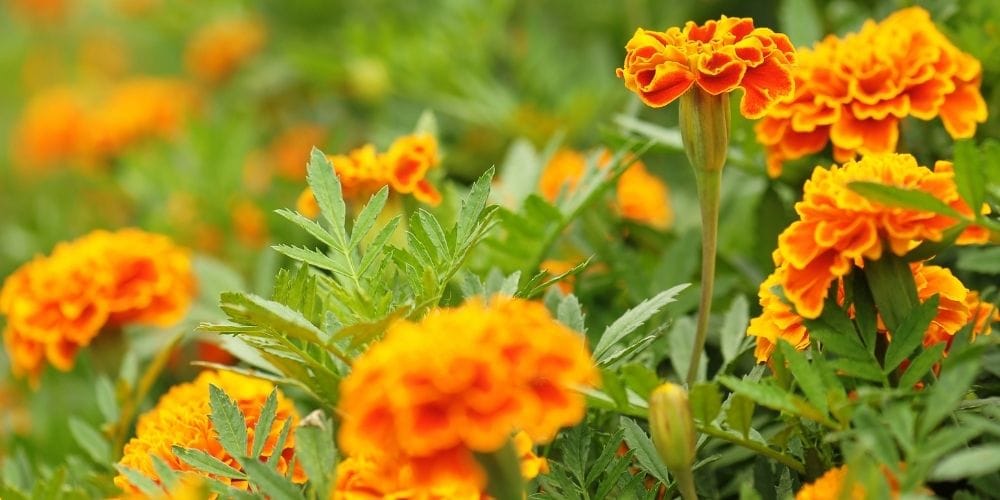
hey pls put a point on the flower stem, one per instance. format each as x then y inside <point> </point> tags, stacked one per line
<point>709,188</point>
<point>685,484</point>
<point>760,448</point>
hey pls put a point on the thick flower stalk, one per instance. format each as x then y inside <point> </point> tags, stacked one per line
<point>363,171</point>
<point>640,196</point>
<point>181,418</point>
<point>838,227</point>
<point>701,65</point>
<point>56,305</point>
<point>854,91</point>
<point>458,384</point>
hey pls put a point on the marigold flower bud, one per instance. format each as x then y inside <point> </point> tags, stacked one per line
<point>704,123</point>
<point>672,426</point>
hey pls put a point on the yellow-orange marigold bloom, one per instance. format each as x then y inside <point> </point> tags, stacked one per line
<point>181,417</point>
<point>56,305</point>
<point>289,152</point>
<point>50,130</point>
<point>831,485</point>
<point>363,171</point>
<point>460,381</point>
<point>249,223</point>
<point>218,49</point>
<point>719,56</point>
<point>639,196</point>
<point>956,309</point>
<point>367,478</point>
<point>838,227</point>
<point>853,91</point>
<point>41,11</point>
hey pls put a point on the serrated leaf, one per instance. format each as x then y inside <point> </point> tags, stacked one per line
<point>706,402</point>
<point>900,197</point>
<point>311,226</point>
<point>168,476</point>
<point>739,414</point>
<point>228,422</point>
<point>326,189</point>
<point>202,461</point>
<point>377,247</point>
<point>472,208</point>
<point>251,309</point>
<point>270,482</point>
<point>315,450</point>
<point>262,428</point>
<point>950,388</point>
<point>570,313</point>
<point>805,375</point>
<point>910,333</point>
<point>92,441</point>
<point>734,327</point>
<point>366,219</point>
<point>645,451</point>
<point>921,365</point>
<point>311,257</point>
<point>767,394</point>
<point>971,462</point>
<point>634,318</point>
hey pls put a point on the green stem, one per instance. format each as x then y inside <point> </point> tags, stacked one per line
<point>685,484</point>
<point>760,448</point>
<point>709,189</point>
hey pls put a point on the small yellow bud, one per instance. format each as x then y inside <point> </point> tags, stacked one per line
<point>672,427</point>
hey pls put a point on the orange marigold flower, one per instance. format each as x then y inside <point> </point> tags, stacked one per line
<point>41,11</point>
<point>363,171</point>
<point>218,49</point>
<point>289,152</point>
<point>779,321</point>
<point>639,196</point>
<point>447,395</point>
<point>832,485</point>
<point>853,91</point>
<point>367,478</point>
<point>50,130</point>
<point>983,314</point>
<point>719,56</point>
<point>181,417</point>
<point>838,227</point>
<point>249,223</point>
<point>56,305</point>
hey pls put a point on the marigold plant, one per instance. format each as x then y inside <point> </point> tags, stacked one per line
<point>461,381</point>
<point>181,418</point>
<point>853,91</point>
<point>218,49</point>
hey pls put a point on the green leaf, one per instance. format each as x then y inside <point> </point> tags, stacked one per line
<point>472,208</point>
<point>739,415</point>
<point>645,451</point>
<point>146,485</point>
<point>950,388</point>
<point>315,450</point>
<point>378,244</point>
<point>168,477</point>
<point>250,309</point>
<point>921,365</point>
<point>801,21</point>
<point>570,313</point>
<point>680,340</point>
<point>503,473</point>
<point>863,369</point>
<point>891,282</point>
<point>92,441</point>
<point>806,376</point>
<point>107,400</point>
<point>971,462</point>
<point>311,257</point>
<point>207,463</point>
<point>265,421</point>
<point>270,482</point>
<point>733,334</point>
<point>312,227</point>
<point>639,378</point>
<point>286,428</point>
<point>634,318</point>
<point>326,188</point>
<point>979,260</point>
<point>366,219</point>
<point>970,178</point>
<point>906,198</point>
<point>228,421</point>
<point>910,333</point>
<point>706,402</point>
<point>765,393</point>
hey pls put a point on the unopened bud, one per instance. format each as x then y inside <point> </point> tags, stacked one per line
<point>704,124</point>
<point>672,427</point>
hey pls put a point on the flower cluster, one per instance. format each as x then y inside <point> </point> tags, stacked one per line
<point>181,418</point>
<point>463,381</point>
<point>57,304</point>
<point>360,478</point>
<point>853,91</point>
<point>640,196</point>
<point>219,49</point>
<point>719,56</point>
<point>363,171</point>
<point>62,125</point>
<point>832,485</point>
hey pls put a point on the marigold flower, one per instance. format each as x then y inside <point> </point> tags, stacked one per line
<point>853,91</point>
<point>956,308</point>
<point>56,305</point>
<point>719,56</point>
<point>831,485</point>
<point>289,152</point>
<point>363,171</point>
<point>838,227</point>
<point>219,49</point>
<point>50,130</point>
<point>41,11</point>
<point>181,417</point>
<point>249,223</point>
<point>639,196</point>
<point>447,395</point>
